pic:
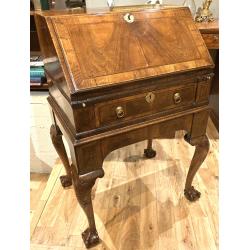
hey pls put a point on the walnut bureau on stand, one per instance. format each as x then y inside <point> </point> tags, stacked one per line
<point>120,77</point>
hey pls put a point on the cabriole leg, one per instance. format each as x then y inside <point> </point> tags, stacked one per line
<point>83,185</point>
<point>149,152</point>
<point>56,137</point>
<point>201,150</point>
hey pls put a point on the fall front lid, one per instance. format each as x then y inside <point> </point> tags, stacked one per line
<point>111,48</point>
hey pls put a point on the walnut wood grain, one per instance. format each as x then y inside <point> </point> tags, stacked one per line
<point>136,105</point>
<point>101,63</point>
<point>138,50</point>
<point>211,40</point>
<point>210,33</point>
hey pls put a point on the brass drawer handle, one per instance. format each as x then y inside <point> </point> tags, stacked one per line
<point>177,98</point>
<point>119,112</point>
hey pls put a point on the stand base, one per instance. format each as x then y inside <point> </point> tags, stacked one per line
<point>90,238</point>
<point>149,153</point>
<point>65,181</point>
<point>192,194</point>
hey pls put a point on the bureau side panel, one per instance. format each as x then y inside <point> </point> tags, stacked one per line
<point>84,119</point>
<point>80,119</point>
<point>199,125</point>
<point>63,103</point>
<point>49,48</point>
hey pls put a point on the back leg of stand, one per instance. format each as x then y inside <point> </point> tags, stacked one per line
<point>149,152</point>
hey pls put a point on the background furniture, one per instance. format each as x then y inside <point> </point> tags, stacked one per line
<point>35,49</point>
<point>34,42</point>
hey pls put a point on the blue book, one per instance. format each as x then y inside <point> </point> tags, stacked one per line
<point>37,73</point>
<point>37,79</point>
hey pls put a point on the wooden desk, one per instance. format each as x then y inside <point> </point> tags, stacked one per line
<point>119,78</point>
<point>210,33</point>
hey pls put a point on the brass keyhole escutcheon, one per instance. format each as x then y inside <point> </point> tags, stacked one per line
<point>119,112</point>
<point>129,18</point>
<point>177,98</point>
<point>150,97</point>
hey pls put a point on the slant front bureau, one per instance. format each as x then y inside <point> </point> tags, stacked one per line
<point>121,77</point>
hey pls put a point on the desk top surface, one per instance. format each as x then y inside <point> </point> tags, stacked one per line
<point>97,50</point>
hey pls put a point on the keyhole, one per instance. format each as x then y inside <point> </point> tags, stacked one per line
<point>150,97</point>
<point>129,18</point>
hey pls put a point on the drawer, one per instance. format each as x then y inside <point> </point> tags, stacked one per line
<point>144,104</point>
<point>211,40</point>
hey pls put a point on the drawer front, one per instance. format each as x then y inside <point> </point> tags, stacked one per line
<point>145,103</point>
<point>211,40</point>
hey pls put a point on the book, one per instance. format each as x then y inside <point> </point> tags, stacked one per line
<point>39,68</point>
<point>37,73</point>
<point>37,79</point>
<point>35,84</point>
<point>36,63</point>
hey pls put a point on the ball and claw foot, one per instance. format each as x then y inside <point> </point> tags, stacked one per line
<point>192,194</point>
<point>90,238</point>
<point>149,153</point>
<point>65,181</point>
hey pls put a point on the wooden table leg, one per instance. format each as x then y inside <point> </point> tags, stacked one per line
<point>201,150</point>
<point>83,185</point>
<point>56,137</point>
<point>149,152</point>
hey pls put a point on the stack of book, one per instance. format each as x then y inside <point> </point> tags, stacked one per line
<point>37,75</point>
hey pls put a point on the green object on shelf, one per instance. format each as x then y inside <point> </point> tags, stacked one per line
<point>44,4</point>
<point>37,73</point>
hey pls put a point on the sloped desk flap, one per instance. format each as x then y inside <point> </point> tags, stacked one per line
<point>105,49</point>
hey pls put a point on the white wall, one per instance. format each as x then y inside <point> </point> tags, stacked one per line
<point>42,153</point>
